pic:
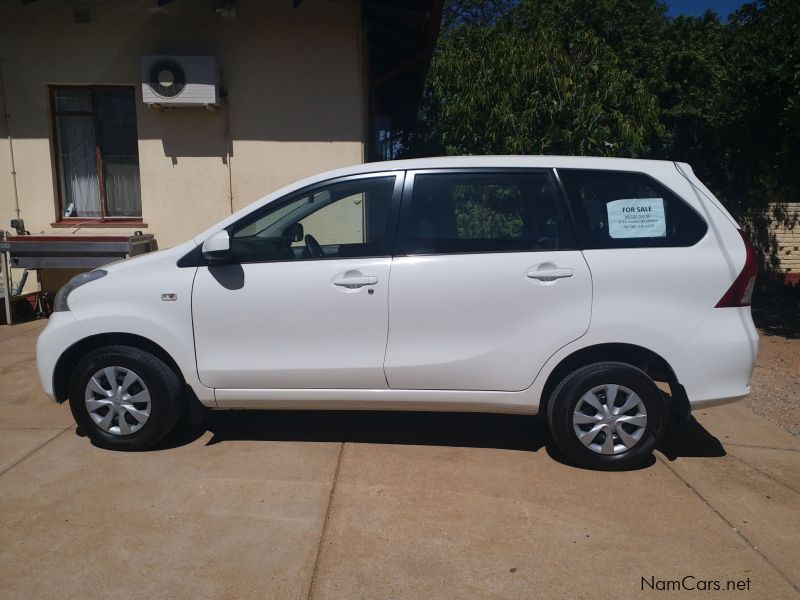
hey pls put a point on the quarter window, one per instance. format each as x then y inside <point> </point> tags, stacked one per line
<point>482,212</point>
<point>629,210</point>
<point>341,220</point>
<point>97,152</point>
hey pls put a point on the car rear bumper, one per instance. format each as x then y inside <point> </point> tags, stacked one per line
<point>716,362</point>
<point>708,403</point>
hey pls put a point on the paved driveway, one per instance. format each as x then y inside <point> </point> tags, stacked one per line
<point>382,505</point>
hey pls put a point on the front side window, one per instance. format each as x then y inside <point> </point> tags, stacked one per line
<point>482,212</point>
<point>347,219</point>
<point>97,151</point>
<point>629,210</point>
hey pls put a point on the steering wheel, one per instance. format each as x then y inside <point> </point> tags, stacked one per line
<point>313,247</point>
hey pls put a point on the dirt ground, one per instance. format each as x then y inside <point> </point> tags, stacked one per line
<point>776,382</point>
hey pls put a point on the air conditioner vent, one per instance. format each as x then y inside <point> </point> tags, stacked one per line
<point>179,80</point>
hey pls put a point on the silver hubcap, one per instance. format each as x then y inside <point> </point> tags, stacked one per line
<point>117,400</point>
<point>609,419</point>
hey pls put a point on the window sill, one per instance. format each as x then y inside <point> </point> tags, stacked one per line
<point>99,224</point>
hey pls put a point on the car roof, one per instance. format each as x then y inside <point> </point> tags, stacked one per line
<point>511,161</point>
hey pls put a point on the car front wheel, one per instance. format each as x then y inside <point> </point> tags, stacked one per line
<point>124,398</point>
<point>607,415</point>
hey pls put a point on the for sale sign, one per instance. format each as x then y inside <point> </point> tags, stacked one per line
<point>636,218</point>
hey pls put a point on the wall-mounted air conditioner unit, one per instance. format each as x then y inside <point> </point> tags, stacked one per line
<point>180,80</point>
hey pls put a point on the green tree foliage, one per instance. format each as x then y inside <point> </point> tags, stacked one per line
<point>621,78</point>
<point>632,29</point>
<point>474,12</point>
<point>756,121</point>
<point>494,91</point>
<point>758,107</point>
<point>488,212</point>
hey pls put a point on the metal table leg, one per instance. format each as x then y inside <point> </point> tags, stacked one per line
<point>7,287</point>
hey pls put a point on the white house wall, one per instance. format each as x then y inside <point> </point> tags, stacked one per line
<point>295,102</point>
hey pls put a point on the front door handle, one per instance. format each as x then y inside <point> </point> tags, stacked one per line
<point>355,282</point>
<point>550,274</point>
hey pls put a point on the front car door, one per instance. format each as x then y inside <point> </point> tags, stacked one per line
<point>304,302</point>
<point>487,282</point>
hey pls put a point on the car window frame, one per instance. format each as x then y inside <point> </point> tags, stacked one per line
<point>196,258</point>
<point>403,221</point>
<point>580,220</point>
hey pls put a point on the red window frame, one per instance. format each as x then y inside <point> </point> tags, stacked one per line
<point>103,220</point>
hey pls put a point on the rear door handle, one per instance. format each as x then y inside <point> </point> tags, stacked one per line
<point>550,274</point>
<point>355,282</point>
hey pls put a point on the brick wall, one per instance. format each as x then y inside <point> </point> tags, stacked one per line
<point>789,244</point>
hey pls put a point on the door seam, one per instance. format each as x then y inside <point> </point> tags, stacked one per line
<point>388,321</point>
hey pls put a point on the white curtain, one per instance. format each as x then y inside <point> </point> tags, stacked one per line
<point>121,176</point>
<point>79,166</point>
<point>109,121</point>
<point>116,116</point>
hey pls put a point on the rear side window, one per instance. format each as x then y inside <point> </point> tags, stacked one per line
<point>451,213</point>
<point>629,210</point>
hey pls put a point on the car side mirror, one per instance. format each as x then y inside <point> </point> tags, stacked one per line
<point>218,246</point>
<point>294,231</point>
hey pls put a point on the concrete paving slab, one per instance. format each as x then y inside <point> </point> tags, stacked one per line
<point>736,424</point>
<point>475,522</point>
<point>10,331</point>
<point>23,404</point>
<point>781,465</point>
<point>756,487</point>
<point>762,508</point>
<point>424,506</point>
<point>16,444</point>
<point>234,519</point>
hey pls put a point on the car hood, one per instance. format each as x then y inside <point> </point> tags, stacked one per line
<point>149,259</point>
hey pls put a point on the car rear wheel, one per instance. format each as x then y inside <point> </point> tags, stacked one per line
<point>124,398</point>
<point>607,416</point>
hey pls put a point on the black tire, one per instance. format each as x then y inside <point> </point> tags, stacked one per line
<point>162,383</point>
<point>568,393</point>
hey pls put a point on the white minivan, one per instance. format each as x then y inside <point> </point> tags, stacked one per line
<point>581,288</point>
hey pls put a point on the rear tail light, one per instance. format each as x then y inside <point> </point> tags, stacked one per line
<point>741,292</point>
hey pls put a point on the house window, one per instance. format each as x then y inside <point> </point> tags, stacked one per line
<point>97,153</point>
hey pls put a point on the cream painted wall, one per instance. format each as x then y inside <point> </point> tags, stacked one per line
<point>295,101</point>
<point>339,223</point>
